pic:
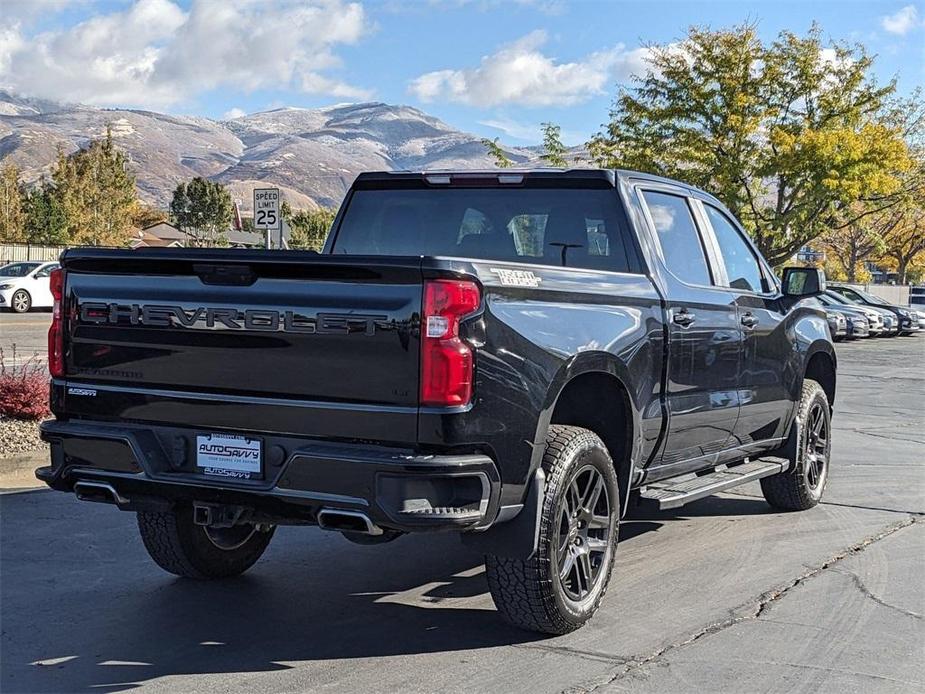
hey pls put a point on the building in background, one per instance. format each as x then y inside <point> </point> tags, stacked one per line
<point>160,235</point>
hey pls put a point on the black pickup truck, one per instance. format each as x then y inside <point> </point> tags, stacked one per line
<point>517,357</point>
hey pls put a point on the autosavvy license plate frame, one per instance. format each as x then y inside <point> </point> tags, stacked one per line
<point>229,456</point>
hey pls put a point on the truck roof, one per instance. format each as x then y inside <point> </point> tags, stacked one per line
<point>584,176</point>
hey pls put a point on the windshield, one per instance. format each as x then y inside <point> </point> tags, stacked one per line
<point>17,269</point>
<point>857,296</point>
<point>870,297</point>
<point>840,299</point>
<point>566,227</point>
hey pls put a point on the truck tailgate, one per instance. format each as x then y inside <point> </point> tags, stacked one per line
<point>239,327</point>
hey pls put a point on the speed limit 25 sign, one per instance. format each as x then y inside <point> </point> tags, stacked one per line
<point>266,208</point>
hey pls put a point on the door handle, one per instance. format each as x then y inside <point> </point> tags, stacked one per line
<point>683,317</point>
<point>749,320</point>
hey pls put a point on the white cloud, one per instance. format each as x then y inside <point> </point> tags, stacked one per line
<point>234,113</point>
<point>529,132</point>
<point>154,54</point>
<point>902,22</point>
<point>519,73</point>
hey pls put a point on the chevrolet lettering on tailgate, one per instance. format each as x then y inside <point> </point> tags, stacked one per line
<point>165,316</point>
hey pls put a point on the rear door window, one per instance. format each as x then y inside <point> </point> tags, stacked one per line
<point>681,245</point>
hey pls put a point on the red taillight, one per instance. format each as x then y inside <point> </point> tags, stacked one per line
<point>446,361</point>
<point>56,331</point>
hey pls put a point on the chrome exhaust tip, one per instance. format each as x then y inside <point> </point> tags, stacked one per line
<point>101,492</point>
<point>347,522</point>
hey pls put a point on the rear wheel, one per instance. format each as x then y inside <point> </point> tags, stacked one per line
<point>561,586</point>
<point>809,447</point>
<point>21,301</point>
<point>181,547</point>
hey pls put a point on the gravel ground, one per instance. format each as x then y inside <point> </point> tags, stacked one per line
<point>18,436</point>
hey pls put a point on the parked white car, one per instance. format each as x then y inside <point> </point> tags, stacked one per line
<point>26,285</point>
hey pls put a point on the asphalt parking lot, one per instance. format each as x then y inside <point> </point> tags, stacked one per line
<point>724,595</point>
<point>27,332</point>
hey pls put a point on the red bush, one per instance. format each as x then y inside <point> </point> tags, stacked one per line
<point>23,389</point>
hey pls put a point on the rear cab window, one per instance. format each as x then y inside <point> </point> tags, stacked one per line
<point>566,227</point>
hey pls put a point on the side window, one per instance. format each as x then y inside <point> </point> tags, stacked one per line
<point>742,267</point>
<point>678,237</point>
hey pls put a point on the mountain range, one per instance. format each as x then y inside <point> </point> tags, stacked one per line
<point>313,155</point>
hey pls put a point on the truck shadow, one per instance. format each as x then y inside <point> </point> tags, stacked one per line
<point>99,615</point>
<point>711,506</point>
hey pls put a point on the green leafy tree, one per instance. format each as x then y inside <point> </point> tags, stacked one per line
<point>46,219</point>
<point>497,153</point>
<point>12,218</point>
<point>904,247</point>
<point>310,228</point>
<point>203,209</point>
<point>553,149</point>
<point>788,134</point>
<point>862,238</point>
<point>146,215</point>
<point>97,193</point>
<point>888,228</point>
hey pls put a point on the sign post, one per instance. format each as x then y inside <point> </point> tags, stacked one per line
<point>266,211</point>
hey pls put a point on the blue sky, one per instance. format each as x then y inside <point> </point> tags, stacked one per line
<point>493,67</point>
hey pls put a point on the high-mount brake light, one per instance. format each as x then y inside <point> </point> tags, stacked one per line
<point>56,331</point>
<point>446,360</point>
<point>511,179</point>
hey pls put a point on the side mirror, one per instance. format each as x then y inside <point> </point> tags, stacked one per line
<point>803,281</point>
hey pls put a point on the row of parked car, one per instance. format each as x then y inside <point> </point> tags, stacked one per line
<point>853,314</point>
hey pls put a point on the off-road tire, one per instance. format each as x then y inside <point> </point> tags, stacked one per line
<point>181,547</point>
<point>790,490</point>
<point>21,301</point>
<point>529,593</point>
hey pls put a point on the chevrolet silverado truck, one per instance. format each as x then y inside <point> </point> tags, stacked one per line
<point>516,357</point>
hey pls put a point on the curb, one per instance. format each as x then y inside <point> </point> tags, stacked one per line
<point>22,463</point>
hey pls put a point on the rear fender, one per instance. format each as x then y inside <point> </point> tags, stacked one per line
<point>579,365</point>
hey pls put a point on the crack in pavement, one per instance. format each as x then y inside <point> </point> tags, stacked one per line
<point>840,505</point>
<point>867,593</point>
<point>755,608</point>
<point>893,437</point>
<point>577,652</point>
<point>871,377</point>
<point>842,671</point>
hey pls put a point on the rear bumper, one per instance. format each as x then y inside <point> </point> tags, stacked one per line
<point>396,488</point>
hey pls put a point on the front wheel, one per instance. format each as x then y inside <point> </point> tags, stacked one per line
<point>808,447</point>
<point>181,547</point>
<point>21,301</point>
<point>561,586</point>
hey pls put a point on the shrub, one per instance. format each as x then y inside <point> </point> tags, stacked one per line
<point>23,389</point>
